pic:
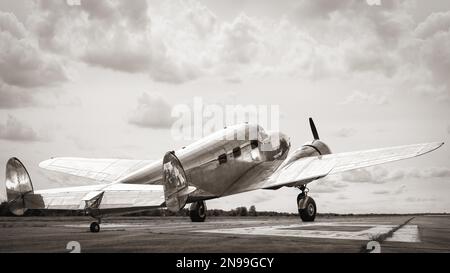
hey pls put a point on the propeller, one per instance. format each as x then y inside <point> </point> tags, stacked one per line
<point>313,129</point>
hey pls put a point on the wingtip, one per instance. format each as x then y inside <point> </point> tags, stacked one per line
<point>434,146</point>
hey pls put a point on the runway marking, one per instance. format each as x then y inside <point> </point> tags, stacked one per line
<point>168,225</point>
<point>110,226</point>
<point>408,233</point>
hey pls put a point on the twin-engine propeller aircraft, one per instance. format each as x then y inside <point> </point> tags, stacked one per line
<point>236,159</point>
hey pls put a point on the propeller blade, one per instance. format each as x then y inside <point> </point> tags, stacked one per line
<point>313,129</point>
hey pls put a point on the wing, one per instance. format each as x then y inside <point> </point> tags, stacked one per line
<point>102,170</point>
<point>111,198</point>
<point>307,169</point>
<point>356,160</point>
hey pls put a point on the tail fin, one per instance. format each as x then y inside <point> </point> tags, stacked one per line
<point>18,184</point>
<point>176,186</point>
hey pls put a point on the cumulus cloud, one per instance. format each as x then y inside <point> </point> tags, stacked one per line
<point>380,175</point>
<point>240,40</point>
<point>118,35</point>
<point>419,199</point>
<point>430,172</point>
<point>17,130</point>
<point>376,175</point>
<point>152,112</point>
<point>396,191</point>
<point>261,198</point>
<point>24,67</point>
<point>435,23</point>
<point>22,63</point>
<point>400,189</point>
<point>179,41</point>
<point>110,34</point>
<point>433,47</point>
<point>327,185</point>
<point>13,97</point>
<point>10,24</point>
<point>384,40</point>
<point>366,36</point>
<point>320,8</point>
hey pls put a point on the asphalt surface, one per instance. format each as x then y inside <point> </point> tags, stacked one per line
<point>224,234</point>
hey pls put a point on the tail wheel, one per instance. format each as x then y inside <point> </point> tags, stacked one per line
<point>95,227</point>
<point>197,211</point>
<point>306,208</point>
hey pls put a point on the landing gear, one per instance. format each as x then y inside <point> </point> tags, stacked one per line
<point>95,227</point>
<point>306,206</point>
<point>197,211</point>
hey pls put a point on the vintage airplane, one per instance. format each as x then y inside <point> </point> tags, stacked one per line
<point>236,159</point>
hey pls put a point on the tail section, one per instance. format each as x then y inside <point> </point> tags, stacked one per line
<point>18,184</point>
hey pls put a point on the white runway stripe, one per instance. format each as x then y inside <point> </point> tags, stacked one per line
<point>409,233</point>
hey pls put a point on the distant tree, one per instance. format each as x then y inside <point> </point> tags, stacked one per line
<point>242,211</point>
<point>215,212</point>
<point>252,211</point>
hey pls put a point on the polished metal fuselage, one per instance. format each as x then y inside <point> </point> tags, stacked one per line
<point>216,163</point>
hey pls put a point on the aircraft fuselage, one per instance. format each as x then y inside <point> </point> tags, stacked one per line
<point>217,162</point>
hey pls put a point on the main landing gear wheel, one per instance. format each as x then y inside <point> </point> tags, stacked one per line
<point>197,211</point>
<point>95,227</point>
<point>306,206</point>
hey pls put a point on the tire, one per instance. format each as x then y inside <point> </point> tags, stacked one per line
<point>95,227</point>
<point>309,210</point>
<point>197,211</point>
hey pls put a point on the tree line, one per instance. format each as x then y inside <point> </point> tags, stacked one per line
<point>239,211</point>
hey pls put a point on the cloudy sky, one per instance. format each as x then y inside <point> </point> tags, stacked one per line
<point>100,79</point>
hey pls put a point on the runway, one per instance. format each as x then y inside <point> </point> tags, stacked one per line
<point>225,234</point>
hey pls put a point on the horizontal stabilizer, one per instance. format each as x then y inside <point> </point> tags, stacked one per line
<point>102,170</point>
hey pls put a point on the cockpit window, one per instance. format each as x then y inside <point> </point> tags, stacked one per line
<point>222,158</point>
<point>237,152</point>
<point>254,144</point>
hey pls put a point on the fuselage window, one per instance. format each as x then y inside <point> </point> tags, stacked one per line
<point>254,144</point>
<point>237,152</point>
<point>222,158</point>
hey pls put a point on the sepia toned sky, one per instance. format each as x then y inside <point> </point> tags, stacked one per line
<point>100,79</point>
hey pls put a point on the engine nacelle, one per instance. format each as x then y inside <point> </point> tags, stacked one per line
<point>319,146</point>
<point>313,148</point>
